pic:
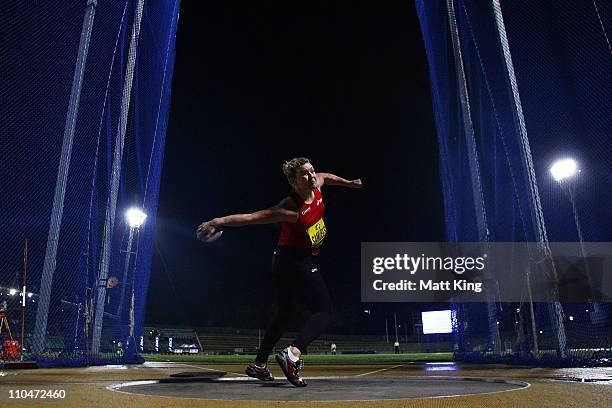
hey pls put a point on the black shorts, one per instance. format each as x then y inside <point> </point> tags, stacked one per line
<point>297,273</point>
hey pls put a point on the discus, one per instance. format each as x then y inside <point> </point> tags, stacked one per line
<point>212,237</point>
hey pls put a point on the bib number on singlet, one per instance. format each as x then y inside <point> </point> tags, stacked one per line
<point>316,233</point>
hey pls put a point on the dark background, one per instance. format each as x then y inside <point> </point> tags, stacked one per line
<point>257,83</point>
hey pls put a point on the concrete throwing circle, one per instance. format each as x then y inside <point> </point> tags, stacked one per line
<point>319,388</point>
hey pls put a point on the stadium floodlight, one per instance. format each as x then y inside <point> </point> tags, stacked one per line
<point>13,292</point>
<point>135,217</point>
<point>564,169</point>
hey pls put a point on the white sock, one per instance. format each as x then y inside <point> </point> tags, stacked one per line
<point>292,356</point>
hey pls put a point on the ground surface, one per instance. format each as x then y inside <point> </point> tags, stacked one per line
<point>93,386</point>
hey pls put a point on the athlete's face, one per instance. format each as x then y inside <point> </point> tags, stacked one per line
<point>306,178</point>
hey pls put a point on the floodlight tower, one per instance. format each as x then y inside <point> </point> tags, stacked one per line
<point>565,172</point>
<point>135,218</point>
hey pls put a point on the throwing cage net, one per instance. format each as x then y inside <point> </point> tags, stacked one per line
<point>516,85</point>
<point>84,105</point>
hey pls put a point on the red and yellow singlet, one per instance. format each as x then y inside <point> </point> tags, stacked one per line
<point>309,231</point>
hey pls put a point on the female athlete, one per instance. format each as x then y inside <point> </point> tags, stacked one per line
<point>295,269</point>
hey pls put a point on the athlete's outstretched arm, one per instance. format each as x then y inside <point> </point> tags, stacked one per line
<point>333,180</point>
<point>285,211</point>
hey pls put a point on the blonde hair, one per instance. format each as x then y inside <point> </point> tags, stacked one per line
<point>291,167</point>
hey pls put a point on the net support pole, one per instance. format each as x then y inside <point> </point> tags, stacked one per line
<point>126,269</point>
<point>395,322</point>
<point>555,308</point>
<point>114,183</point>
<point>386,331</point>
<point>24,297</point>
<point>50,262</point>
<point>478,198</point>
<point>534,332</point>
<point>571,194</point>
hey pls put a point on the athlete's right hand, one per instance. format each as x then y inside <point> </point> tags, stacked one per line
<point>356,183</point>
<point>206,229</point>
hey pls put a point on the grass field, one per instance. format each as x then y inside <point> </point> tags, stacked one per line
<point>313,358</point>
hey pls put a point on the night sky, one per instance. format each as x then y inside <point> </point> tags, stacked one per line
<point>256,83</point>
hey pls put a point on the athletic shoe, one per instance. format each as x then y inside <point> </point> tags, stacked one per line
<point>291,369</point>
<point>260,372</point>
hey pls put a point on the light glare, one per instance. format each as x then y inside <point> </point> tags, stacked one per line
<point>135,217</point>
<point>564,169</point>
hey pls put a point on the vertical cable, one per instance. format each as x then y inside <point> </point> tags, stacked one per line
<point>474,165</point>
<point>50,263</point>
<point>115,177</point>
<point>555,309</point>
<point>603,29</point>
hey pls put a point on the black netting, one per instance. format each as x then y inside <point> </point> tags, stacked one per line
<point>516,86</point>
<point>84,104</point>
